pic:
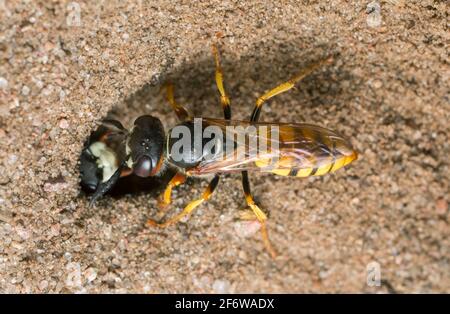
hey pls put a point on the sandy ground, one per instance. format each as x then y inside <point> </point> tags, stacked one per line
<point>387,91</point>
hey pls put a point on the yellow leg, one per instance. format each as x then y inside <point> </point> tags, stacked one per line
<point>180,111</point>
<point>258,213</point>
<point>224,100</point>
<point>285,87</point>
<point>255,117</point>
<point>190,207</point>
<point>262,220</point>
<point>165,198</point>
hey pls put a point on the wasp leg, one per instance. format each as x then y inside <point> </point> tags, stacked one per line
<point>165,198</point>
<point>224,100</point>
<point>258,213</point>
<point>180,111</point>
<point>285,87</point>
<point>190,207</point>
<point>255,117</point>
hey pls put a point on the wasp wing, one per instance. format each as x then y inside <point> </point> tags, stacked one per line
<point>280,148</point>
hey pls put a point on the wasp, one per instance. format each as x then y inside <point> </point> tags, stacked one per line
<point>295,150</point>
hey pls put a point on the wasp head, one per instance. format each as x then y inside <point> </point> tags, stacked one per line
<point>145,146</point>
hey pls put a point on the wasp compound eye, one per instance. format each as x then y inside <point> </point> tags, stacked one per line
<point>143,167</point>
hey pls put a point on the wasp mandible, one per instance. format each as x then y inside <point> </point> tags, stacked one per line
<point>295,149</point>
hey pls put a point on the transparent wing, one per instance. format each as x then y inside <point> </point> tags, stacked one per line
<point>271,147</point>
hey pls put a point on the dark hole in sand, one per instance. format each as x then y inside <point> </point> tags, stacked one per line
<point>260,69</point>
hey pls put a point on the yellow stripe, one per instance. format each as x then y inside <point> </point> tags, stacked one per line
<point>322,170</point>
<point>339,163</point>
<point>304,172</point>
<point>349,159</point>
<point>281,172</point>
<point>261,163</point>
<point>283,162</point>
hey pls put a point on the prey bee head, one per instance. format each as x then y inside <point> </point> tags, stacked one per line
<point>145,146</point>
<point>113,152</point>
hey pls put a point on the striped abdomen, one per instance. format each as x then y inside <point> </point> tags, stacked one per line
<point>288,149</point>
<point>308,150</point>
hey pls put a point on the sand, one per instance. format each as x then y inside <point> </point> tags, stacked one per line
<point>387,91</point>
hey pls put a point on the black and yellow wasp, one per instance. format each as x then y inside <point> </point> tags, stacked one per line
<point>298,150</point>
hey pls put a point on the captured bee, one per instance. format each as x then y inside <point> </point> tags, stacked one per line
<point>208,147</point>
<point>107,155</point>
